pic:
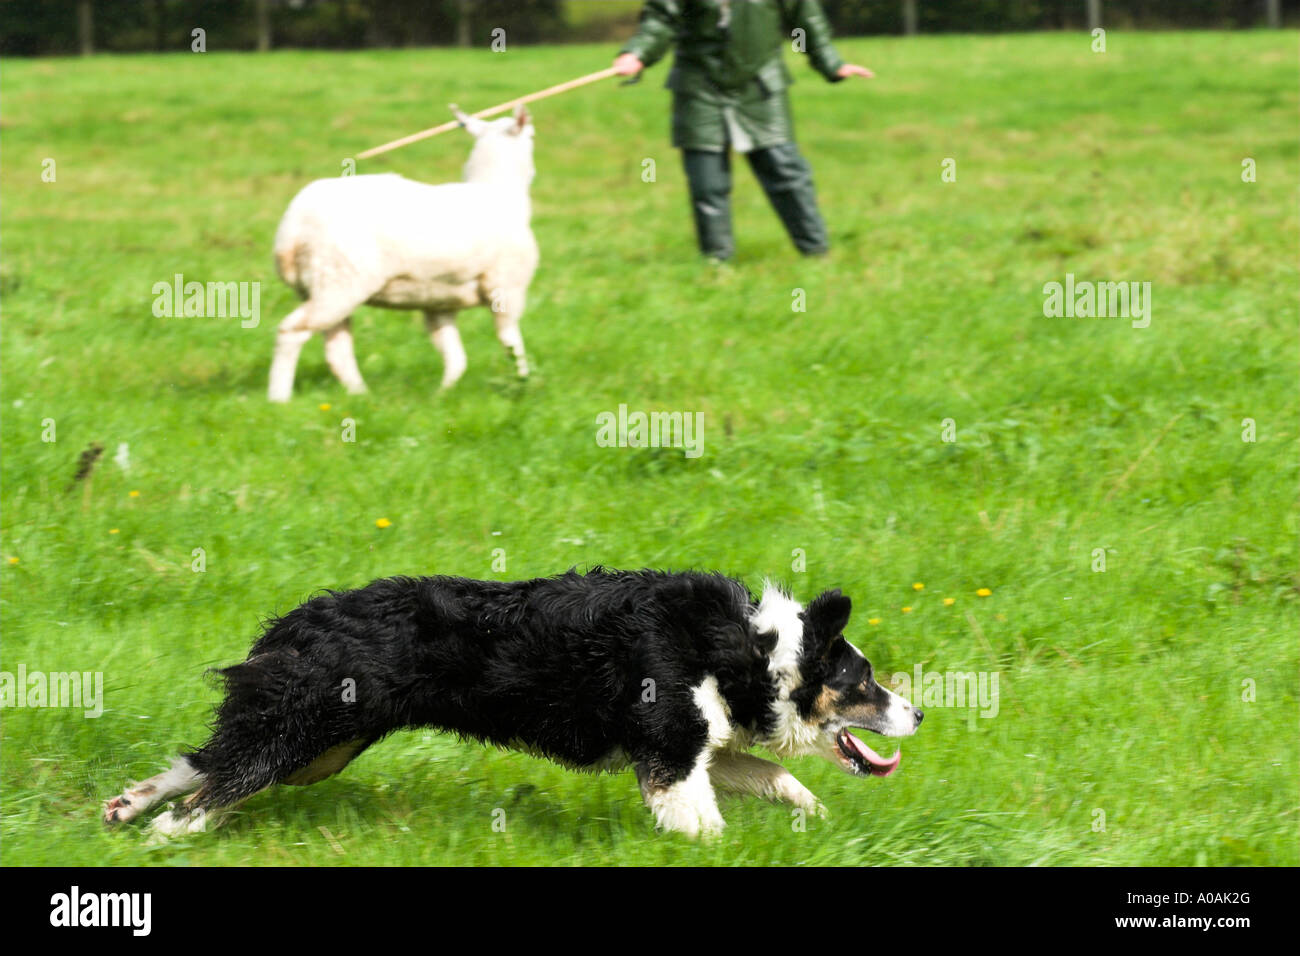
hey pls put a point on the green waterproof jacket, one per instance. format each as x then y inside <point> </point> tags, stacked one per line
<point>729,76</point>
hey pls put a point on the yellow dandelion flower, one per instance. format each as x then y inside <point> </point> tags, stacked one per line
<point>113,530</point>
<point>873,621</point>
<point>325,406</point>
<point>383,523</point>
<point>918,586</point>
<point>134,494</point>
<point>13,560</point>
<point>907,610</point>
<point>949,602</point>
<point>983,592</point>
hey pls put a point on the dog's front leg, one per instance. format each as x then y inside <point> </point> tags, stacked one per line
<point>743,773</point>
<point>686,804</point>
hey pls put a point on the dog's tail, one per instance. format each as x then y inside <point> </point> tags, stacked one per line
<point>259,682</point>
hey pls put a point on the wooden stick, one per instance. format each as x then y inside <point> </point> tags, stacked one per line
<point>491,111</point>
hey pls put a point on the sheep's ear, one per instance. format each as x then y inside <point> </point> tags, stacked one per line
<point>474,127</point>
<point>522,119</point>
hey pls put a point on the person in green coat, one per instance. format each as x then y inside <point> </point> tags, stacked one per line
<point>729,82</point>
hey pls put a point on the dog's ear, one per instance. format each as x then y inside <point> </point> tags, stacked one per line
<point>827,615</point>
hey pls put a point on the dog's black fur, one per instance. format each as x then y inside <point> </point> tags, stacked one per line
<point>593,670</point>
<point>556,665</point>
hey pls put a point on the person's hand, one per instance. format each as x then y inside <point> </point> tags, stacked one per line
<point>627,64</point>
<point>847,70</point>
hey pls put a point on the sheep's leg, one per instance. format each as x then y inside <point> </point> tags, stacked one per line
<point>295,330</point>
<point>288,346</point>
<point>446,339</point>
<point>342,359</point>
<point>507,310</point>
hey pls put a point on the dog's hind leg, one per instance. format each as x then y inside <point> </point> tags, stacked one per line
<point>248,753</point>
<point>218,793</point>
<point>182,820</point>
<point>744,773</point>
<point>228,780</point>
<point>281,721</point>
<point>179,778</point>
<point>208,807</point>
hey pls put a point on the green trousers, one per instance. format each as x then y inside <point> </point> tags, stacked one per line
<point>784,175</point>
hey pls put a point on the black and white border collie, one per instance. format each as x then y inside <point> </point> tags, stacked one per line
<point>676,674</point>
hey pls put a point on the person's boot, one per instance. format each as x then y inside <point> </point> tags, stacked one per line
<point>787,179</point>
<point>708,175</point>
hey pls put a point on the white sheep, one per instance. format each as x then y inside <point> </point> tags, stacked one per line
<point>389,241</point>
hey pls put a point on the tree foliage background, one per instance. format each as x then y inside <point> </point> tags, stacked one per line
<point>51,27</point>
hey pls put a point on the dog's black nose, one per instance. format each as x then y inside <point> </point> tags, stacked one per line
<point>920,716</point>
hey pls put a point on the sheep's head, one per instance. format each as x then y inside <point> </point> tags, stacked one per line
<point>503,148</point>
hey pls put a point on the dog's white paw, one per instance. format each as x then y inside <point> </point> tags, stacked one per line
<point>711,824</point>
<point>176,823</point>
<point>120,809</point>
<point>696,827</point>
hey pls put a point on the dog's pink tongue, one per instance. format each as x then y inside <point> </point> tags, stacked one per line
<point>880,766</point>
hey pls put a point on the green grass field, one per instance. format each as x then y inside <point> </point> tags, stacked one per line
<point>1158,697</point>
